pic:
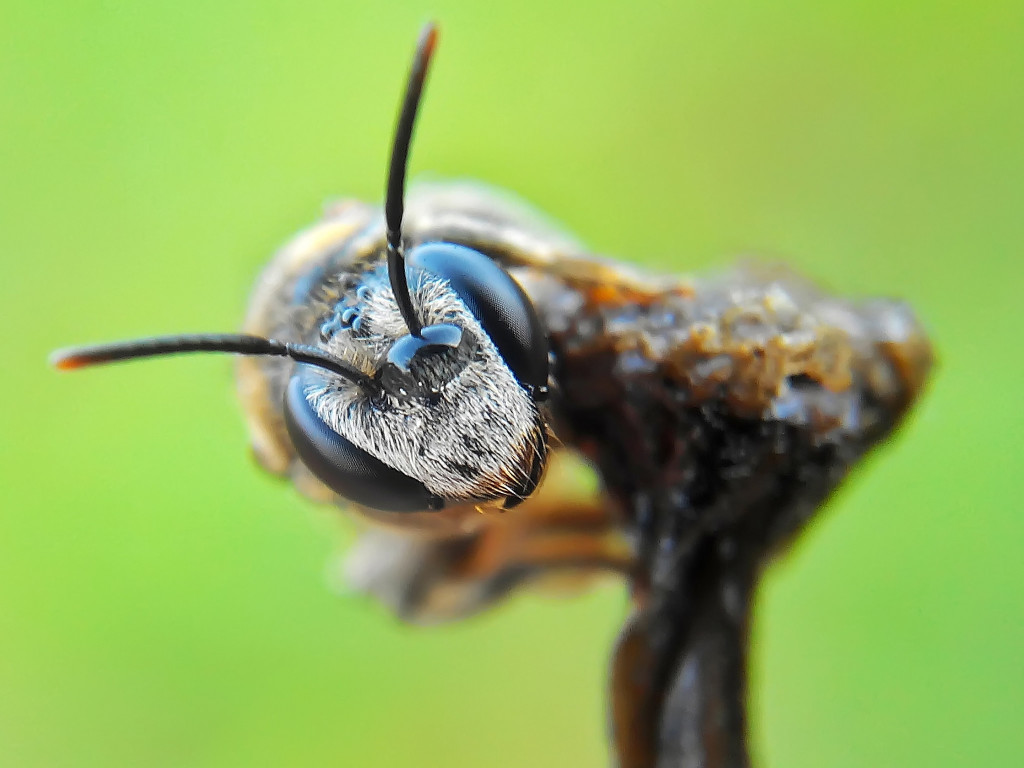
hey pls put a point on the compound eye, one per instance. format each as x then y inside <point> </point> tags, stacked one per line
<point>500,306</point>
<point>345,468</point>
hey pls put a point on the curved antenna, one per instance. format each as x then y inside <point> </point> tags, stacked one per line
<point>240,344</point>
<point>394,203</point>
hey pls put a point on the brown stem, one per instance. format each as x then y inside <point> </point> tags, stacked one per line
<point>679,672</point>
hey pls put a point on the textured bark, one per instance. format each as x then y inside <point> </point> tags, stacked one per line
<point>719,412</point>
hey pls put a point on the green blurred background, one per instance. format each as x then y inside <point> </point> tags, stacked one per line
<point>164,603</point>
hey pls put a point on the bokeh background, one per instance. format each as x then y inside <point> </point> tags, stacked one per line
<point>164,603</point>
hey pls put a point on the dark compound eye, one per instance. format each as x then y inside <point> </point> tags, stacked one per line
<point>345,468</point>
<point>498,303</point>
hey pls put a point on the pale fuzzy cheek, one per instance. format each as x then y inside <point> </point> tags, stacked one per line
<point>516,469</point>
<point>502,454</point>
<point>507,469</point>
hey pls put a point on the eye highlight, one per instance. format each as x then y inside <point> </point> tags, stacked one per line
<point>420,366</point>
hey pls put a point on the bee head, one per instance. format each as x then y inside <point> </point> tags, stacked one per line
<point>422,388</point>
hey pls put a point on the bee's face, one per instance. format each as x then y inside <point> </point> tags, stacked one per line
<point>412,396</point>
<point>443,417</point>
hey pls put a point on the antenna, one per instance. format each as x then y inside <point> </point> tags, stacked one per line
<point>240,344</point>
<point>394,202</point>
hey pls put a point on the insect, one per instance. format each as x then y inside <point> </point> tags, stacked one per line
<point>426,367</point>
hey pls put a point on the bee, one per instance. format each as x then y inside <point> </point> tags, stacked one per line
<point>425,368</point>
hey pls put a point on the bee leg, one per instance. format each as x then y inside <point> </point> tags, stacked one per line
<point>545,539</point>
<point>550,543</point>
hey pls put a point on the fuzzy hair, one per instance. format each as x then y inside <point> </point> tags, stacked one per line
<point>476,440</point>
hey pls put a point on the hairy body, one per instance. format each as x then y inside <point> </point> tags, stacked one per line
<point>719,413</point>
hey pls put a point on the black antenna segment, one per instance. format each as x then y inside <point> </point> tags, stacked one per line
<point>239,344</point>
<point>394,203</point>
